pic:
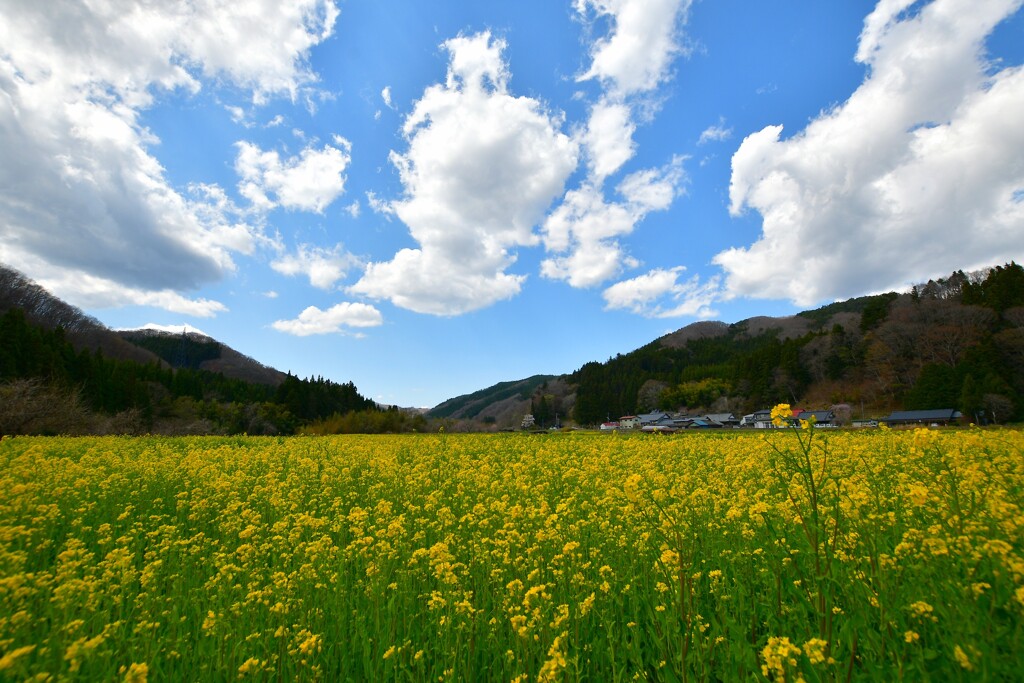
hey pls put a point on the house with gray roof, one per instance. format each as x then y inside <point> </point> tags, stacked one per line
<point>822,418</point>
<point>943,416</point>
<point>724,419</point>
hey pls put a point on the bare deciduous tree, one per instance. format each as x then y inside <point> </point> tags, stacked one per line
<point>30,406</point>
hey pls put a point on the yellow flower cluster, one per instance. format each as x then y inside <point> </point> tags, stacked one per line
<point>511,557</point>
<point>781,414</point>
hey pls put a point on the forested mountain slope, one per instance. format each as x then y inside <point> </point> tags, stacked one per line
<point>64,372</point>
<point>956,342</point>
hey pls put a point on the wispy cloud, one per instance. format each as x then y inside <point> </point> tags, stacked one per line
<point>715,133</point>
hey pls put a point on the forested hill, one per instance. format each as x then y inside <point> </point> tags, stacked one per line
<point>199,352</point>
<point>956,342</point>
<point>63,372</point>
<point>483,402</point>
<point>42,308</point>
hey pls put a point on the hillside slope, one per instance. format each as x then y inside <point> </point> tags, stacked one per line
<point>62,371</point>
<point>199,352</point>
<point>490,401</point>
<point>83,331</point>
<point>957,342</point>
<point>193,351</point>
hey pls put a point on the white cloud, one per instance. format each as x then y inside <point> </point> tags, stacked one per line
<point>715,133</point>
<point>86,290</point>
<point>481,169</point>
<point>378,205</point>
<point>385,95</point>
<point>585,226</point>
<point>588,227</point>
<point>435,281</point>
<point>654,189</point>
<point>912,177</point>
<point>334,320</point>
<point>270,294</point>
<point>309,181</point>
<point>223,220</point>
<point>584,231</point>
<point>659,294</point>
<point>608,138</point>
<point>238,115</point>
<point>79,188</point>
<point>353,209</point>
<point>323,267</point>
<point>636,57</point>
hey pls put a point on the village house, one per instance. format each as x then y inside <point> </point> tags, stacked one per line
<point>703,423</point>
<point>943,416</point>
<point>822,418</point>
<point>658,418</point>
<point>762,419</point>
<point>724,419</point>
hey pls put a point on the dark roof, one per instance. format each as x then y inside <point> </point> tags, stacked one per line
<point>704,423</point>
<point>923,415</point>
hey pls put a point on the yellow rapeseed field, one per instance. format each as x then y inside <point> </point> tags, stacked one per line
<point>791,555</point>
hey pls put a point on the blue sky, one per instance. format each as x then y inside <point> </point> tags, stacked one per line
<point>427,197</point>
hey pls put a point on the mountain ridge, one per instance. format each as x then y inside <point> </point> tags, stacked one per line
<point>85,332</point>
<point>958,341</point>
<point>952,342</point>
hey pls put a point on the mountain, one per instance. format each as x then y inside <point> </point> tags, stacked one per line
<point>492,401</point>
<point>199,352</point>
<point>955,342</point>
<point>194,351</point>
<point>62,371</point>
<point>83,331</point>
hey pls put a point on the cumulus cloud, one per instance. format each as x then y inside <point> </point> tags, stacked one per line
<point>79,188</point>
<point>586,227</point>
<point>638,53</point>
<point>323,267</point>
<point>608,138</point>
<point>309,181</point>
<point>385,95</point>
<point>659,294</point>
<point>913,176</point>
<point>585,230</point>
<point>336,319</point>
<point>482,167</point>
